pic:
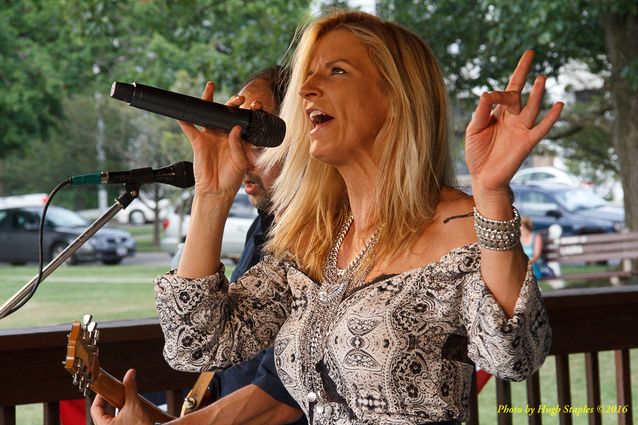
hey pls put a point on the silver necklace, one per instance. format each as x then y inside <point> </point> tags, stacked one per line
<point>334,284</point>
<point>336,281</point>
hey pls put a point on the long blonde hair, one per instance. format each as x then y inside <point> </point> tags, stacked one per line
<point>411,148</point>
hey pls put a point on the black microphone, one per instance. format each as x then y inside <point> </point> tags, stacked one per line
<point>258,127</point>
<point>179,174</point>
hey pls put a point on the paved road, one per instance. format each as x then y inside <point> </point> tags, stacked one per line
<point>156,259</point>
<point>149,259</point>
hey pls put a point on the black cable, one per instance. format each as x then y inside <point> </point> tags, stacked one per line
<point>40,248</point>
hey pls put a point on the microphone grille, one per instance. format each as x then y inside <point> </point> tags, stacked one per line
<point>265,130</point>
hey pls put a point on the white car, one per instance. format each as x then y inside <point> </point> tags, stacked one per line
<point>28,200</point>
<point>141,211</point>
<point>241,216</point>
<point>545,175</point>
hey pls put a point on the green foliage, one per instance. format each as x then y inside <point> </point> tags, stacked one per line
<point>29,86</point>
<point>151,41</point>
<point>328,6</point>
<point>479,42</point>
<point>59,58</point>
<point>70,151</point>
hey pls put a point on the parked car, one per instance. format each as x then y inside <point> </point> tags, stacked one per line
<point>141,211</point>
<point>35,199</point>
<point>577,210</point>
<point>241,216</point>
<point>19,234</point>
<point>545,175</point>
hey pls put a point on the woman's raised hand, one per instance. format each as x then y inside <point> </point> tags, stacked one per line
<point>498,140</point>
<point>219,159</point>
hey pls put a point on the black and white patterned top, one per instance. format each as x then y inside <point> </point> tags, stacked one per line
<point>399,350</point>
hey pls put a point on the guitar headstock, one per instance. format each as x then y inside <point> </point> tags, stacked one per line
<point>82,353</point>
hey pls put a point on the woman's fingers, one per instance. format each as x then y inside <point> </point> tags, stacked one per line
<point>517,81</point>
<point>482,114</point>
<point>209,91</point>
<point>508,100</point>
<point>236,101</point>
<point>237,147</point>
<point>189,129</point>
<point>256,105</point>
<point>543,127</point>
<point>533,107</point>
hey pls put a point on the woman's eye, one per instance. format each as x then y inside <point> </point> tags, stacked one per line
<point>337,70</point>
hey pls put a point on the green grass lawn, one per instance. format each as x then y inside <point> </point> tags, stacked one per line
<point>487,397</point>
<point>107,292</point>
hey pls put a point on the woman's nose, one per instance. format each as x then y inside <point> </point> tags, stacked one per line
<point>310,87</point>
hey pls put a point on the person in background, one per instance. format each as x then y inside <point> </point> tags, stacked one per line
<point>532,244</point>
<point>256,380</point>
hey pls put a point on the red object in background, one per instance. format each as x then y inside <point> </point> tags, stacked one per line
<point>72,412</point>
<point>481,379</point>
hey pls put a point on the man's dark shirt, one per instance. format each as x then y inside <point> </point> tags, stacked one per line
<point>260,370</point>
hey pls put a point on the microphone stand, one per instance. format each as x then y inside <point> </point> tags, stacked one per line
<point>131,191</point>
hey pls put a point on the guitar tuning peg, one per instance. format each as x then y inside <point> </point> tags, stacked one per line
<point>94,339</point>
<point>86,319</point>
<point>78,378</point>
<point>86,385</point>
<point>78,371</point>
<point>90,327</point>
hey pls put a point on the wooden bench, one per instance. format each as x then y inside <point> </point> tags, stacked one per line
<point>615,249</point>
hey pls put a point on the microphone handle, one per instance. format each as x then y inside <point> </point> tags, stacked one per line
<point>139,176</point>
<point>190,109</point>
<point>179,174</point>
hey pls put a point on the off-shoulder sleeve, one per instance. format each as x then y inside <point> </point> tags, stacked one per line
<point>209,324</point>
<point>511,348</point>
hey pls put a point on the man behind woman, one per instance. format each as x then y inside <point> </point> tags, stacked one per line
<point>381,292</point>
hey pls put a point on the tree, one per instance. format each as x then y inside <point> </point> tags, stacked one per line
<point>479,41</point>
<point>69,151</point>
<point>30,103</point>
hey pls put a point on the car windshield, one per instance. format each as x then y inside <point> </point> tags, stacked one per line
<point>577,199</point>
<point>65,218</point>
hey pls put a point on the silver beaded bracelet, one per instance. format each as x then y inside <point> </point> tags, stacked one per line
<point>497,235</point>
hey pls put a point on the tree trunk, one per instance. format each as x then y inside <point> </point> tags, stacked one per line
<point>621,39</point>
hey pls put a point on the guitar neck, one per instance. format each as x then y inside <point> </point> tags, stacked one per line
<point>112,390</point>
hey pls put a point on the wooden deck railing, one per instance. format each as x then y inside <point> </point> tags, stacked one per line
<point>583,321</point>
<point>31,365</point>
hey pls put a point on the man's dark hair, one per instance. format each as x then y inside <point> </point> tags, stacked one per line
<point>277,78</point>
